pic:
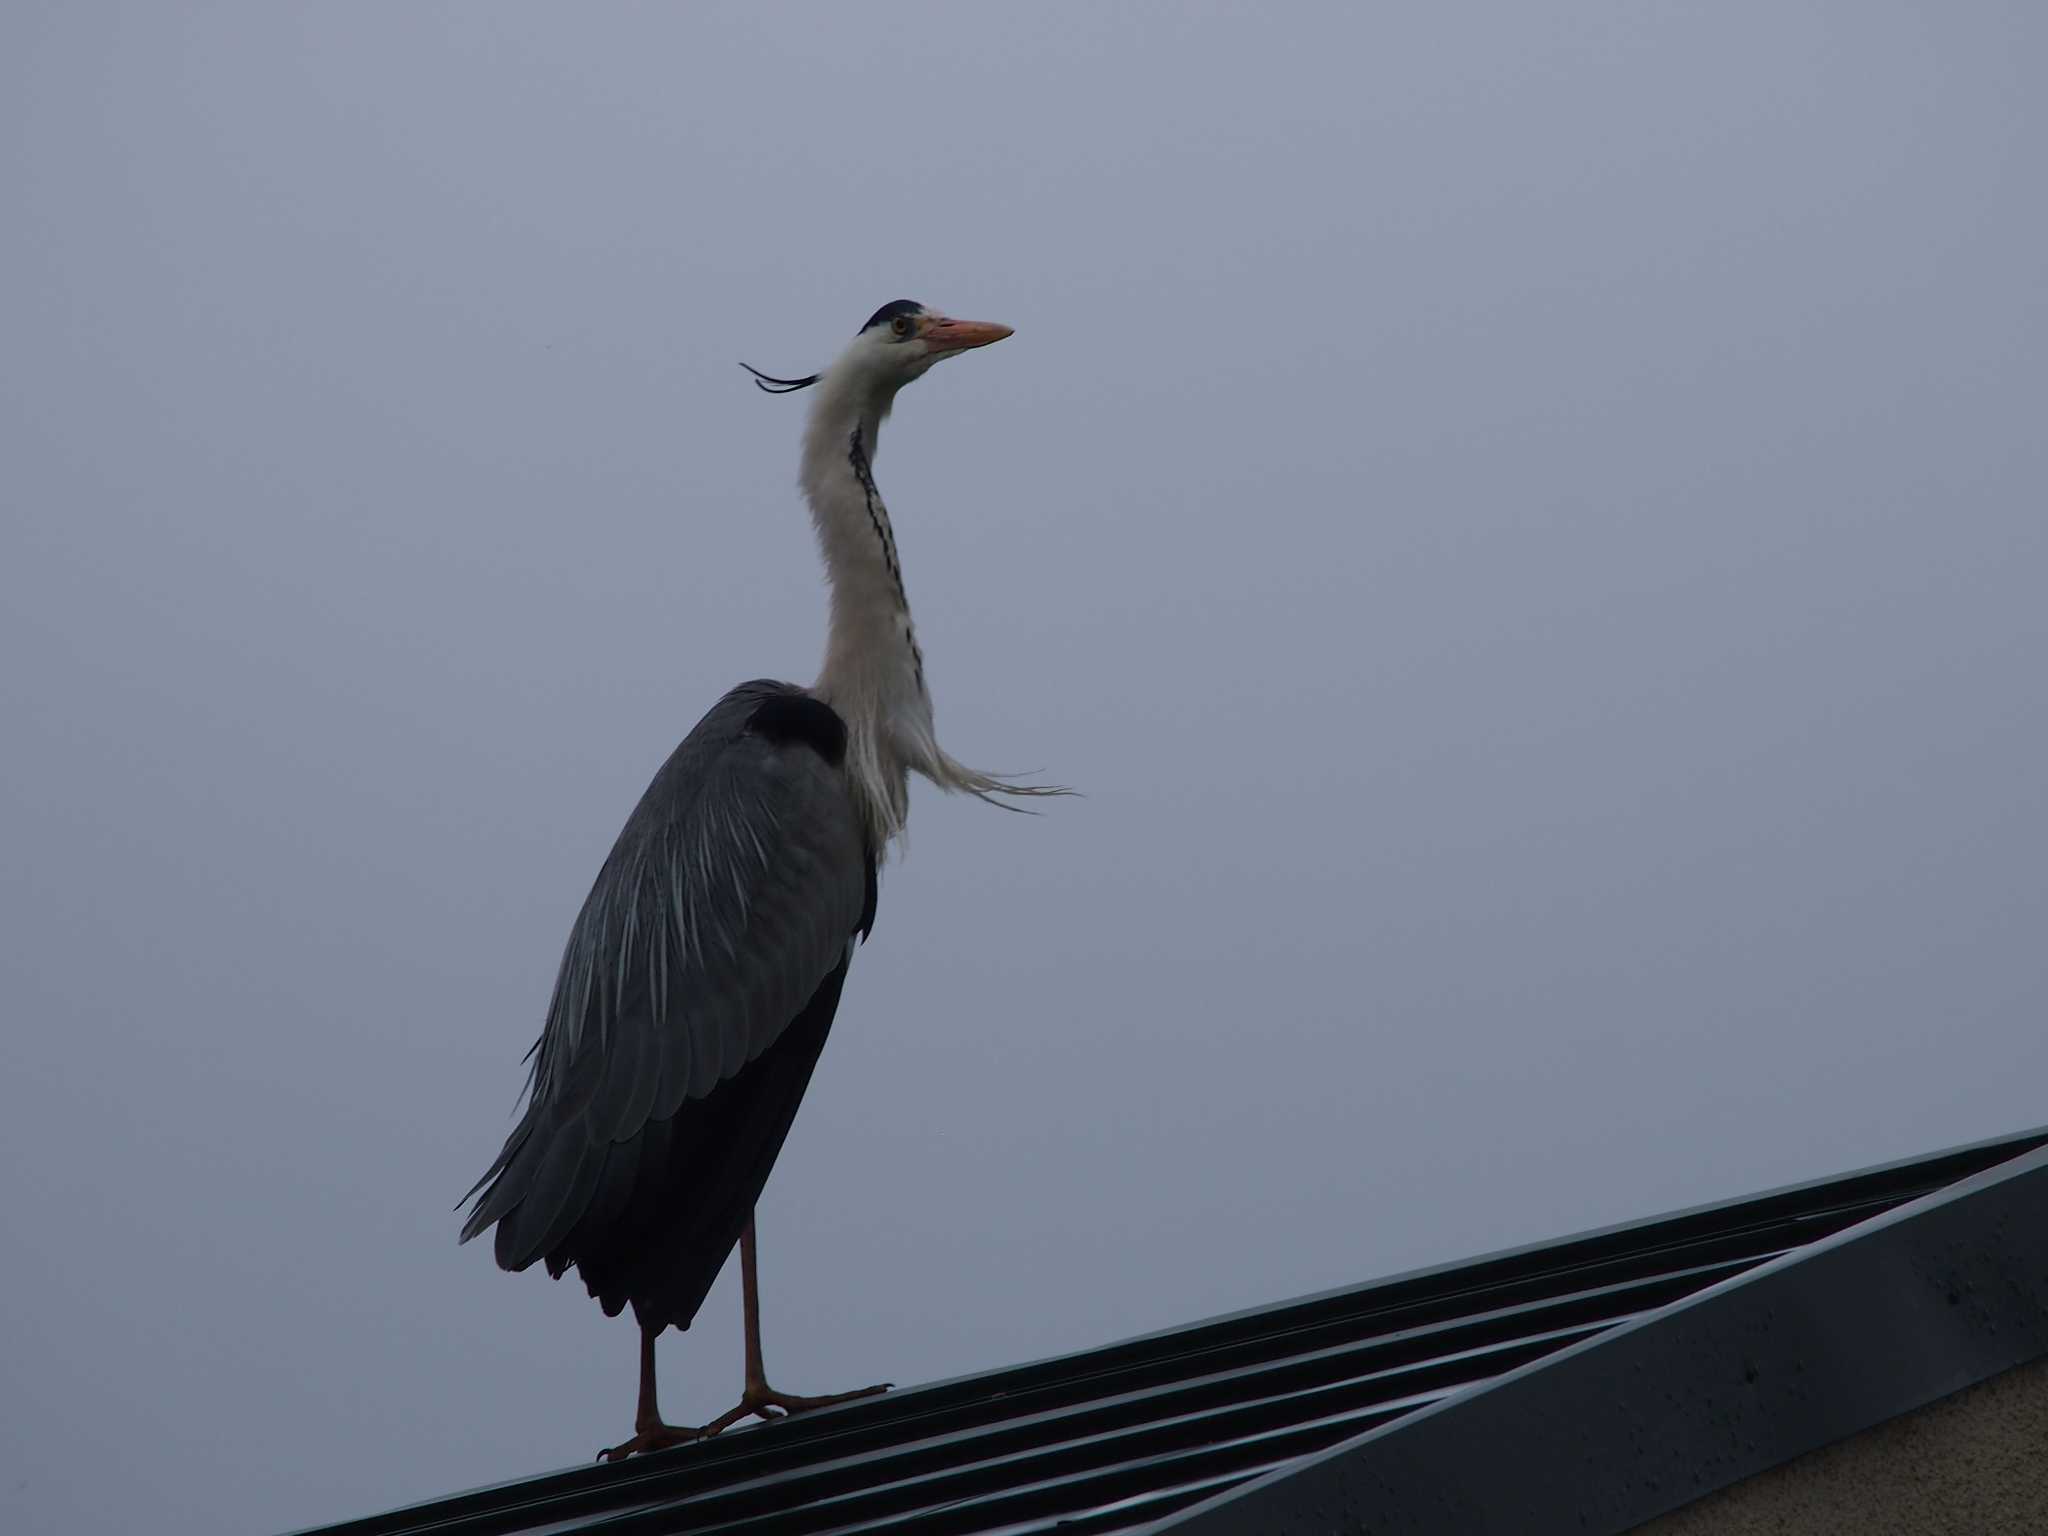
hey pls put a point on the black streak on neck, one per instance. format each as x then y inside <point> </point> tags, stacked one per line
<point>857,455</point>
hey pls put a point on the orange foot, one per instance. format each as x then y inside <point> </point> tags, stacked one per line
<point>763,1401</point>
<point>650,1437</point>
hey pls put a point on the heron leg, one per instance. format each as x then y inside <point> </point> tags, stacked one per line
<point>758,1398</point>
<point>649,1432</point>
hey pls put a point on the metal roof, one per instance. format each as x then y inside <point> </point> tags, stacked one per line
<point>1593,1373</point>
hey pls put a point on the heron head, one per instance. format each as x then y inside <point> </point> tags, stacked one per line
<point>900,341</point>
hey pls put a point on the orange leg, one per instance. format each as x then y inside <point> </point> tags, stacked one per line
<point>758,1398</point>
<point>649,1432</point>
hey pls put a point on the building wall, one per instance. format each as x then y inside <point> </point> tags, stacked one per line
<point>1975,1464</point>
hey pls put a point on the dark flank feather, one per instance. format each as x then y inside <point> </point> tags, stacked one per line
<point>695,993</point>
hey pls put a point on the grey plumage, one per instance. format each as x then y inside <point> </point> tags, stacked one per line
<point>695,992</point>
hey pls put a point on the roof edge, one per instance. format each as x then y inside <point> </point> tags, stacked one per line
<point>1800,1352</point>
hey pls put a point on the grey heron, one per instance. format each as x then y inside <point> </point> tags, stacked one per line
<point>701,977</point>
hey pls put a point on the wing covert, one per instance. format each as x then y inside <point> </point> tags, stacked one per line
<point>731,895</point>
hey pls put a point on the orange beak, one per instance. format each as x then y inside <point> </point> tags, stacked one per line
<point>944,334</point>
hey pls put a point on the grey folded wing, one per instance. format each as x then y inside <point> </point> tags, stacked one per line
<point>734,890</point>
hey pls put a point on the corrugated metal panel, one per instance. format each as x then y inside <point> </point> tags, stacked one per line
<point>1115,1438</point>
<point>1832,1339</point>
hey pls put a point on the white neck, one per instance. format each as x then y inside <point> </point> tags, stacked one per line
<point>873,673</point>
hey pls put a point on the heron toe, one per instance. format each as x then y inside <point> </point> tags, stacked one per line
<point>656,1437</point>
<point>763,1401</point>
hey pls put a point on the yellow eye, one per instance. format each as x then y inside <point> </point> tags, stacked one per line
<point>900,325</point>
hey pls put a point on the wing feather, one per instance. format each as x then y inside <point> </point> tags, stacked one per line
<point>728,899</point>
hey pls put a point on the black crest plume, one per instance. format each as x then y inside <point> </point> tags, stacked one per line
<point>770,385</point>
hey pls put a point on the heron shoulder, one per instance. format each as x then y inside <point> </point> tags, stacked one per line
<point>731,892</point>
<point>799,718</point>
<point>730,741</point>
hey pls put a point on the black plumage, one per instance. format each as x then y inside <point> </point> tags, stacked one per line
<point>889,311</point>
<point>663,1227</point>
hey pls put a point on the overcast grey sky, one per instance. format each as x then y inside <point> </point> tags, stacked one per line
<point>1525,522</point>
